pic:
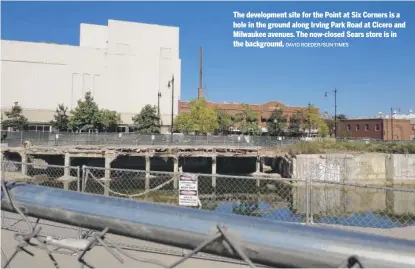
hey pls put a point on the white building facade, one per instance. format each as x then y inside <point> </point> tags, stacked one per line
<point>124,64</point>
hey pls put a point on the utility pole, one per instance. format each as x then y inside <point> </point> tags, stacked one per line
<point>335,109</point>
<point>171,84</point>
<point>308,119</point>
<point>158,106</point>
<point>392,112</point>
<point>200,90</point>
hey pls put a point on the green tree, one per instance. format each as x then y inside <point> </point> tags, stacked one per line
<point>15,118</point>
<point>341,117</point>
<point>109,120</point>
<point>297,123</point>
<point>277,122</point>
<point>330,126</point>
<point>247,120</point>
<point>330,123</point>
<point>201,118</point>
<point>313,120</point>
<point>225,121</point>
<point>86,115</point>
<point>147,121</point>
<point>183,123</point>
<point>61,118</point>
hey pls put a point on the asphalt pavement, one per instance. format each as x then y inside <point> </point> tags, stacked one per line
<point>99,256</point>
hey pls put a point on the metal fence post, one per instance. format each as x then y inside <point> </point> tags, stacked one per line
<point>310,201</point>
<point>78,182</point>
<point>307,201</point>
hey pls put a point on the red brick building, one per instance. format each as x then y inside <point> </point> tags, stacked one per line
<point>264,111</point>
<point>376,128</point>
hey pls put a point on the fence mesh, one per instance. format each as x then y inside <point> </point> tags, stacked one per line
<point>47,175</point>
<point>327,195</point>
<point>355,190</point>
<point>15,139</point>
<point>140,185</point>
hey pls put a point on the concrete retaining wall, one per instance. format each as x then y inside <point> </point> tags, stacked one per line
<point>400,168</point>
<point>367,168</point>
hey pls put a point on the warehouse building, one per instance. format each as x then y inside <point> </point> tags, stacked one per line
<point>125,65</point>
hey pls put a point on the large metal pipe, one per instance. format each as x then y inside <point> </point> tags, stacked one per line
<point>266,242</point>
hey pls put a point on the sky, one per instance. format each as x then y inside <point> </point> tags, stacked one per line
<point>371,76</point>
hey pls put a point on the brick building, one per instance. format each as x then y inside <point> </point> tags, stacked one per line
<point>264,111</point>
<point>376,128</point>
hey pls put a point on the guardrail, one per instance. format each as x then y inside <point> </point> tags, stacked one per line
<point>309,201</point>
<point>253,240</point>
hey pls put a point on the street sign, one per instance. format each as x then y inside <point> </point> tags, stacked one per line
<point>188,190</point>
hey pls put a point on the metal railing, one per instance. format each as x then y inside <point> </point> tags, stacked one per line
<point>15,139</point>
<point>311,201</point>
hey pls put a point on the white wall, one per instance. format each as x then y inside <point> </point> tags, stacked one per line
<point>93,36</point>
<point>123,64</point>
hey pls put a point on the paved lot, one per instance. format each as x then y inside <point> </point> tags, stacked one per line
<point>99,257</point>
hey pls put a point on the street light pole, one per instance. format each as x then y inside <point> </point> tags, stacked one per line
<point>158,106</point>
<point>335,110</point>
<point>171,82</point>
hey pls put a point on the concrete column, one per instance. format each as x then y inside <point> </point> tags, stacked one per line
<point>67,169</point>
<point>258,164</point>
<point>24,162</point>
<point>107,177</point>
<point>108,161</point>
<point>147,180</point>
<point>176,170</point>
<point>214,171</point>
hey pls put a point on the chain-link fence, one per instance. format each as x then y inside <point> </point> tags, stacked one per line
<point>315,199</point>
<point>325,197</point>
<point>359,190</point>
<point>15,139</point>
<point>361,206</point>
<point>55,176</point>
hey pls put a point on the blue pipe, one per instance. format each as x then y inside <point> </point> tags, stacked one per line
<point>266,242</point>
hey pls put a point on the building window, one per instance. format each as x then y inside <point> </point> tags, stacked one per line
<point>366,127</point>
<point>377,127</point>
<point>348,127</point>
<point>357,127</point>
<point>40,128</point>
